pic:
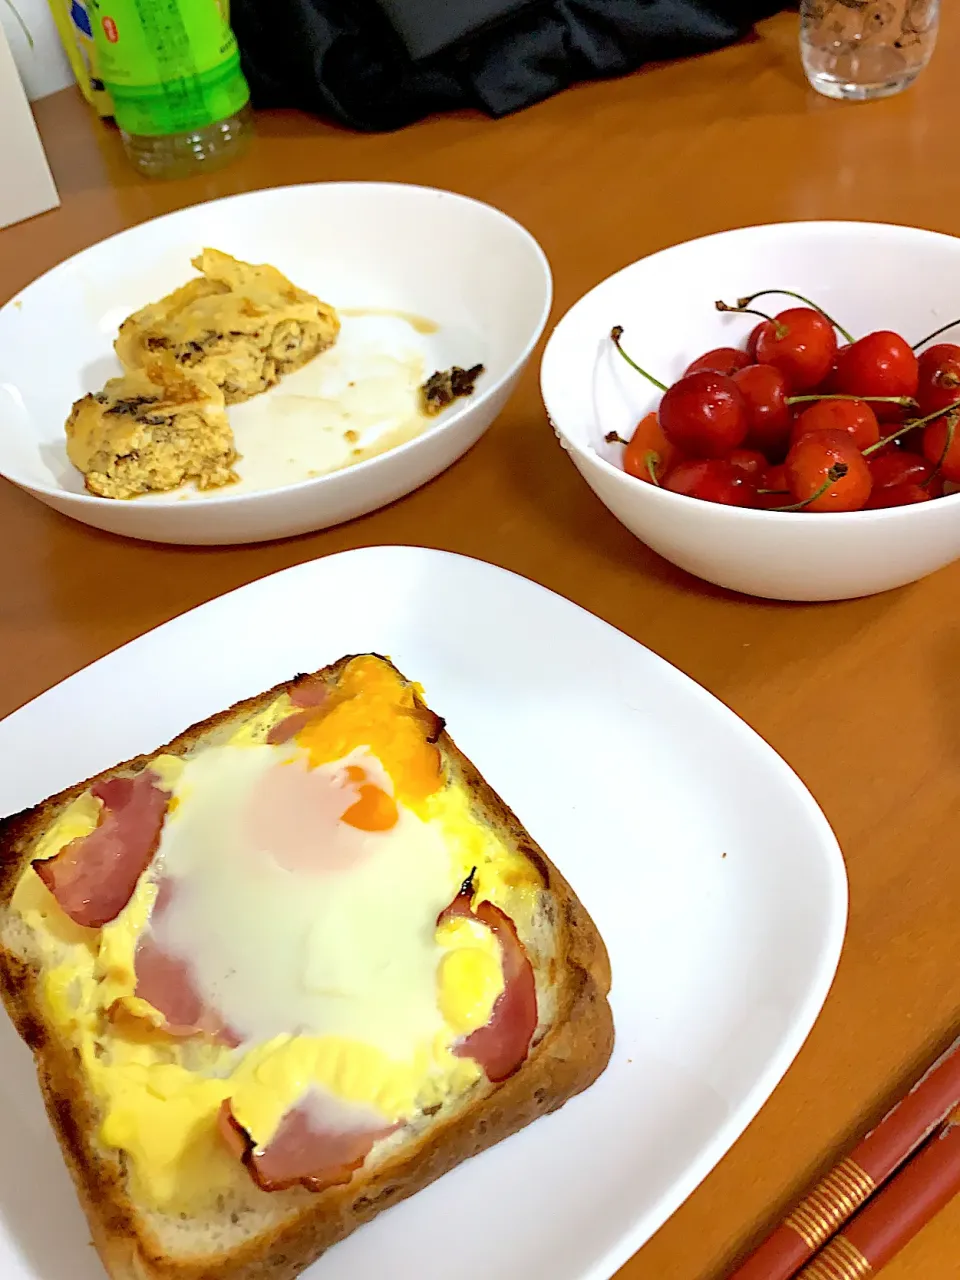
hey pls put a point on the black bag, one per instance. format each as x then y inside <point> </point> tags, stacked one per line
<point>381,64</point>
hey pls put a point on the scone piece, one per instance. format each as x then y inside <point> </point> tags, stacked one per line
<point>151,430</point>
<point>241,326</point>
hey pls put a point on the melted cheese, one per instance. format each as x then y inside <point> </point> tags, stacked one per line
<point>77,820</point>
<point>160,1114</point>
<point>470,976</point>
<point>114,968</point>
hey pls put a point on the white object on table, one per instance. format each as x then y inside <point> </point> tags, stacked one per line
<point>711,873</point>
<point>36,47</point>
<point>868,276</point>
<point>26,183</point>
<point>382,249</point>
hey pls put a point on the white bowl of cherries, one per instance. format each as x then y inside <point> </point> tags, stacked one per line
<point>774,409</point>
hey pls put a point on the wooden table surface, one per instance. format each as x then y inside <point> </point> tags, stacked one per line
<point>862,698</point>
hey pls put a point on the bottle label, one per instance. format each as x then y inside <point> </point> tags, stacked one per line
<point>171,66</point>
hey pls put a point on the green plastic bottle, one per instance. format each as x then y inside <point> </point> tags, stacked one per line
<point>172,68</point>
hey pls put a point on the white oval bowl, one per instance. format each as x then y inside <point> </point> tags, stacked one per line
<point>465,265</point>
<point>868,276</point>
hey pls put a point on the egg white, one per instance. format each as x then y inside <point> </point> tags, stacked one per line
<point>348,952</point>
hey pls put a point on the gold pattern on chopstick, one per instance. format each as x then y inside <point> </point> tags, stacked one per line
<point>832,1201</point>
<point>840,1260</point>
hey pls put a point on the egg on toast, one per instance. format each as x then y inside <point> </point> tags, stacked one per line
<point>287,970</point>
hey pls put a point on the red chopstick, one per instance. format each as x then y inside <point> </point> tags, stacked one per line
<point>893,1217</point>
<point>838,1196</point>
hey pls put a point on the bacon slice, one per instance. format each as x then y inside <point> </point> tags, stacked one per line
<point>502,1045</point>
<point>289,727</point>
<point>313,1146</point>
<point>433,725</point>
<point>168,984</point>
<point>312,697</point>
<point>312,692</point>
<point>94,876</point>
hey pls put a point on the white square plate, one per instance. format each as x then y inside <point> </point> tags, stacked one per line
<point>711,873</point>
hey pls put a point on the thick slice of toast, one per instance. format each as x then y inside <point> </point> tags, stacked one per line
<point>252,1234</point>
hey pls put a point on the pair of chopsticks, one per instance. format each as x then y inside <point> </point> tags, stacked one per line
<point>871,1204</point>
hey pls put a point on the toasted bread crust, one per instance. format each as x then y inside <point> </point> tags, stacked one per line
<point>569,1057</point>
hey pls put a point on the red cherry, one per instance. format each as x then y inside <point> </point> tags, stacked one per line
<point>801,343</point>
<point>890,446</point>
<point>764,389</point>
<point>704,414</point>
<point>891,470</point>
<point>721,360</point>
<point>774,482</point>
<point>898,495</point>
<point>649,451</point>
<point>939,378</point>
<point>749,460</point>
<point>713,480</point>
<point>939,351</point>
<point>853,416</point>
<point>829,383</point>
<point>827,471</point>
<point>881,364</point>
<point>752,340</point>
<point>935,448</point>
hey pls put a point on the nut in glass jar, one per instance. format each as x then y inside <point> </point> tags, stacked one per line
<point>864,49</point>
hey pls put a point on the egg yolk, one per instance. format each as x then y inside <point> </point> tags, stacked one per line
<point>369,696</point>
<point>373,811</point>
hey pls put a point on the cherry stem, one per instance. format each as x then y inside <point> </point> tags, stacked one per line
<point>773,491</point>
<point>789,293</point>
<point>907,427</point>
<point>616,333</point>
<point>612,438</point>
<point>836,472</point>
<point>906,402</point>
<point>936,333</point>
<point>951,429</point>
<point>780,330</point>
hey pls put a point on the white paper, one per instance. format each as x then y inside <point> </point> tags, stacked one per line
<point>26,184</point>
<point>36,47</point>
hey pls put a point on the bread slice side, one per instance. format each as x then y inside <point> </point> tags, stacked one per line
<point>258,1234</point>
